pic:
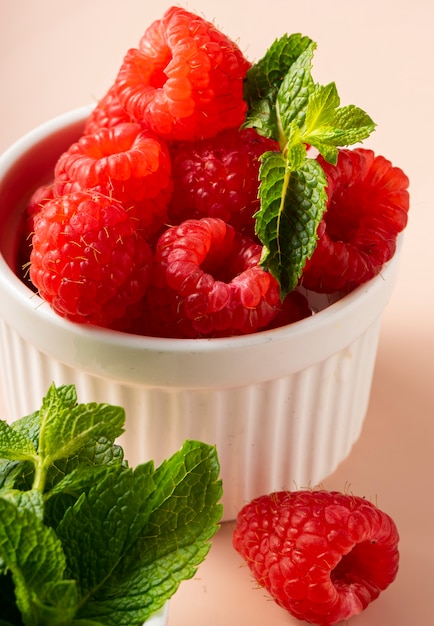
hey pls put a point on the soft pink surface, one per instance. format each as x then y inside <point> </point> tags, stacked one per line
<point>55,56</point>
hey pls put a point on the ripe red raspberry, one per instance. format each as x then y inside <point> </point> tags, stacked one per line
<point>294,308</point>
<point>39,197</point>
<point>207,282</point>
<point>218,177</point>
<point>323,556</point>
<point>367,208</point>
<point>125,162</point>
<point>107,113</point>
<point>88,260</point>
<point>185,80</point>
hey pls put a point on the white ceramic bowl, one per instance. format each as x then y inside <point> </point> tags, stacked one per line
<point>284,406</point>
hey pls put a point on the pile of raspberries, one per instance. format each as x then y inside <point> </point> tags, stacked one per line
<point>148,223</point>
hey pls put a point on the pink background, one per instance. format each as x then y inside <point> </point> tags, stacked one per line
<point>57,55</point>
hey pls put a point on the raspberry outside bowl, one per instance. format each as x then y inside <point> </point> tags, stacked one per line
<point>283,406</point>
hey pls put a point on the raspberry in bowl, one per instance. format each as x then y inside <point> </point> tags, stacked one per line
<point>151,291</point>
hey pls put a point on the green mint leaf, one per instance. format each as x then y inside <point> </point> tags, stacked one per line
<point>103,524</point>
<point>78,480</point>
<point>192,475</point>
<point>170,537</point>
<point>13,445</point>
<point>31,500</point>
<point>329,152</point>
<point>96,453</point>
<point>75,469</point>
<point>29,425</point>
<point>57,605</point>
<point>295,149</point>
<point>28,428</point>
<point>355,124</point>
<point>328,126</point>
<point>86,622</point>
<point>65,429</point>
<point>265,76</point>
<point>16,474</point>
<point>292,205</point>
<point>70,477</point>
<point>264,79</point>
<point>34,556</point>
<point>186,515</point>
<point>20,474</point>
<point>322,103</point>
<point>66,492</point>
<point>293,94</point>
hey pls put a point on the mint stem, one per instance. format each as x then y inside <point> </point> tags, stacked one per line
<point>40,475</point>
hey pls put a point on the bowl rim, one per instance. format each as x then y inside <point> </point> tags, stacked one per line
<point>178,362</point>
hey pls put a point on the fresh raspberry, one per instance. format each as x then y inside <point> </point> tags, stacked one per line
<point>107,113</point>
<point>88,260</point>
<point>207,282</point>
<point>368,203</point>
<point>39,197</point>
<point>185,80</point>
<point>322,555</point>
<point>295,307</point>
<point>125,162</point>
<point>218,177</point>
<point>37,200</point>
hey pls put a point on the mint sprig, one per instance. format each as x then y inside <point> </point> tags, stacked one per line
<point>86,540</point>
<point>287,105</point>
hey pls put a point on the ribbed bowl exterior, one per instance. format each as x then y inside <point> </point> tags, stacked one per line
<point>278,434</point>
